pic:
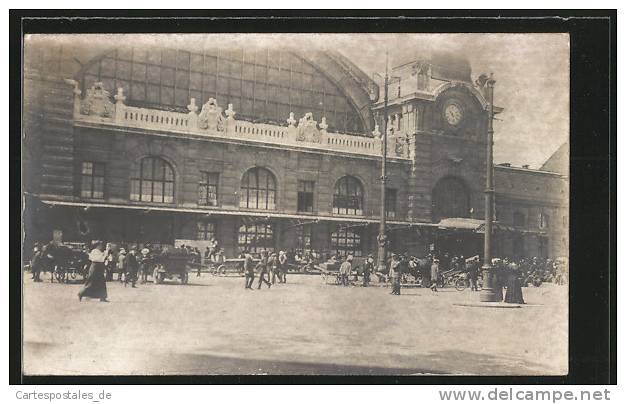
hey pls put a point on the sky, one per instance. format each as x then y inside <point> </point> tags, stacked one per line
<point>532,81</point>
<point>531,70</point>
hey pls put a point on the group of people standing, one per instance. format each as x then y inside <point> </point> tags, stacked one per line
<point>270,268</point>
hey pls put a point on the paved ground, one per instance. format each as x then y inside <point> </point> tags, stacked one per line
<point>214,326</point>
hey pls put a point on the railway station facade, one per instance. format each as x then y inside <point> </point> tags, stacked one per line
<point>269,149</point>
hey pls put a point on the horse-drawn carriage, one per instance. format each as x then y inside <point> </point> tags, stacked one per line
<point>65,262</point>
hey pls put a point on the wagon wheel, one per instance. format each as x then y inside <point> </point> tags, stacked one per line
<point>73,274</point>
<point>460,284</point>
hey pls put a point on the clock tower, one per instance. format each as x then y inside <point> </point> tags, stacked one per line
<point>438,112</point>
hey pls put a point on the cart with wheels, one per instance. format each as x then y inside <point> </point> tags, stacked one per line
<point>171,264</point>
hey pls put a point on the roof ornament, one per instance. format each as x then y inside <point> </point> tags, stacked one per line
<point>97,102</point>
<point>307,129</point>
<point>210,117</point>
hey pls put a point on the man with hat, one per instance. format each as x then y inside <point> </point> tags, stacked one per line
<point>368,267</point>
<point>345,269</point>
<point>121,265</point>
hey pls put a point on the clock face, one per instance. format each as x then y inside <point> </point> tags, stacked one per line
<point>453,114</point>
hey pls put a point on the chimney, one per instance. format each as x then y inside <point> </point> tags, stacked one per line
<point>505,164</point>
<point>525,166</point>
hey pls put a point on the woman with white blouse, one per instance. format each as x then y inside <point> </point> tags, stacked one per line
<point>95,284</point>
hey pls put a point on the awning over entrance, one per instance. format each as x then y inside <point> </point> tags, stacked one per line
<point>478,226</point>
<point>234,212</point>
<point>460,223</point>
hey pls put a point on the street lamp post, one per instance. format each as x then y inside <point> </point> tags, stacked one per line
<point>382,231</point>
<point>488,293</point>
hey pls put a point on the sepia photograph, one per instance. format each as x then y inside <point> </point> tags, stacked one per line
<point>366,204</point>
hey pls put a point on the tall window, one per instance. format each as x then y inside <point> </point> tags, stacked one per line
<point>256,237</point>
<point>207,189</point>
<point>258,189</point>
<point>305,196</point>
<point>348,197</point>
<point>206,230</point>
<point>92,180</point>
<point>544,221</point>
<point>391,198</point>
<point>346,242</point>
<point>152,180</point>
<point>304,235</point>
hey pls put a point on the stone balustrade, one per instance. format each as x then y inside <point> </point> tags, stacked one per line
<point>213,121</point>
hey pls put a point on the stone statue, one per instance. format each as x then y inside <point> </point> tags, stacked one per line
<point>210,117</point>
<point>97,102</point>
<point>307,129</point>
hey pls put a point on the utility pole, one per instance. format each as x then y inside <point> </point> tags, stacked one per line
<point>488,294</point>
<point>382,232</point>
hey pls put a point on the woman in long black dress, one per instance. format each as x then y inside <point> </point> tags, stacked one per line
<point>514,285</point>
<point>95,285</point>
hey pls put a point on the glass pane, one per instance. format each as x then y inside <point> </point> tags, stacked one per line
<point>87,168</point>
<point>134,190</point>
<point>157,194</point>
<point>85,187</point>
<point>202,194</point>
<point>169,192</point>
<point>98,186</point>
<point>146,191</point>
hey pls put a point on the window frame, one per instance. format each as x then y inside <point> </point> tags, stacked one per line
<point>253,194</point>
<point>207,184</point>
<point>202,228</point>
<point>306,196</point>
<point>391,213</point>
<point>343,191</point>
<point>138,182</point>
<point>251,237</point>
<point>90,193</point>
<point>341,239</point>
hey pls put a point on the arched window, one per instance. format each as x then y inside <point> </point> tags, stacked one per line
<point>152,180</point>
<point>258,189</point>
<point>519,219</point>
<point>348,197</point>
<point>450,198</point>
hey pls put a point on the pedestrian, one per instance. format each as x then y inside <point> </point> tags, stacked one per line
<point>282,266</point>
<point>261,268</point>
<point>248,268</point>
<point>121,264</point>
<point>514,285</point>
<point>345,269</point>
<point>36,263</point>
<point>272,265</point>
<point>131,268</point>
<point>368,268</point>
<point>434,274</point>
<point>95,285</point>
<point>472,273</point>
<point>144,264</point>
<point>395,272</point>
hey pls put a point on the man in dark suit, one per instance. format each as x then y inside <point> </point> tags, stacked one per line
<point>248,268</point>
